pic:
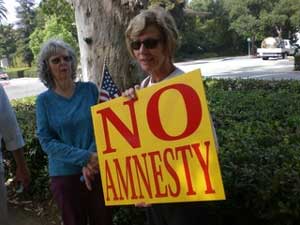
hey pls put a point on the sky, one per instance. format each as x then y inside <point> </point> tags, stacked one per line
<point>10,5</point>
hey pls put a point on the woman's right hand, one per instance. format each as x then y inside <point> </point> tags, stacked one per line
<point>88,176</point>
<point>131,92</point>
<point>90,170</point>
<point>93,163</point>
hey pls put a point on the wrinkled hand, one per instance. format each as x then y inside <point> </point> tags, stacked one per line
<point>22,171</point>
<point>88,176</point>
<point>142,205</point>
<point>90,170</point>
<point>23,175</point>
<point>131,92</point>
<point>93,163</point>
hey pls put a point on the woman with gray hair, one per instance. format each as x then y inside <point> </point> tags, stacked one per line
<point>151,39</point>
<point>65,132</point>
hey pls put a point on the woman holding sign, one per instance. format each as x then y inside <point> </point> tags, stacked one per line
<point>65,132</point>
<point>151,39</point>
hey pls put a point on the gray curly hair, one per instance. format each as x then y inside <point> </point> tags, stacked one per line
<point>158,17</point>
<point>50,48</point>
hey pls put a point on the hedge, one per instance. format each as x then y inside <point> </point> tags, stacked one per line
<point>258,129</point>
<point>297,61</point>
<point>21,72</point>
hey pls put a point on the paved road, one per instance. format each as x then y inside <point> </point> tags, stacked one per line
<point>229,67</point>
<point>244,68</point>
<point>23,87</point>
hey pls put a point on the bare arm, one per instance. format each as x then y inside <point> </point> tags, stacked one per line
<point>22,171</point>
<point>12,137</point>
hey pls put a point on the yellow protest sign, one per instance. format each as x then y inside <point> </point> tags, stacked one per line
<point>160,147</point>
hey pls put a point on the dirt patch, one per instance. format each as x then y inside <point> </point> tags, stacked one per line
<point>18,216</point>
<point>25,211</point>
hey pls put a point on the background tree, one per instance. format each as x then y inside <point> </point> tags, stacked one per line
<point>101,26</point>
<point>284,19</point>
<point>52,29</point>
<point>259,19</point>
<point>212,29</point>
<point>192,38</point>
<point>62,11</point>
<point>245,18</point>
<point>52,23</point>
<point>175,7</point>
<point>3,11</point>
<point>7,42</point>
<point>25,25</point>
<point>295,18</point>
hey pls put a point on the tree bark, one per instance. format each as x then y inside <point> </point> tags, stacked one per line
<point>253,46</point>
<point>101,25</point>
<point>279,31</point>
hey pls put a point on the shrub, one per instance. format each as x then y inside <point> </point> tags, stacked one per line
<point>258,129</point>
<point>297,61</point>
<point>25,71</point>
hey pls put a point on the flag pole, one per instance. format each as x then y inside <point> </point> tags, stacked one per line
<point>101,79</point>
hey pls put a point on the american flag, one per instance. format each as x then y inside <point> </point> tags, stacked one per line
<point>109,89</point>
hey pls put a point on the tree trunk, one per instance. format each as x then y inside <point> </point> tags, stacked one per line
<point>253,45</point>
<point>279,31</point>
<point>101,25</point>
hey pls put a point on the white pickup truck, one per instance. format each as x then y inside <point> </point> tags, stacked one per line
<point>275,48</point>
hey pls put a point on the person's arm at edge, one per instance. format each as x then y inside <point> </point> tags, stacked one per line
<point>22,171</point>
<point>13,138</point>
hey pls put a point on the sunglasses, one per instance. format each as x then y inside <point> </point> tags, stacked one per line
<point>60,59</point>
<point>149,43</point>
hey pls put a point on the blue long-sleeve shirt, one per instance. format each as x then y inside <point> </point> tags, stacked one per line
<point>65,129</point>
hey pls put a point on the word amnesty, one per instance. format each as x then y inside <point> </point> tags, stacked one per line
<point>133,181</point>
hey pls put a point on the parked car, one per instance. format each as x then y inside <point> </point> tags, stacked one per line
<point>3,75</point>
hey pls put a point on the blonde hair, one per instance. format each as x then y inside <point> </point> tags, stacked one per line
<point>156,16</point>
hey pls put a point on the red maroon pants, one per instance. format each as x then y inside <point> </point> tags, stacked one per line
<point>78,205</point>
